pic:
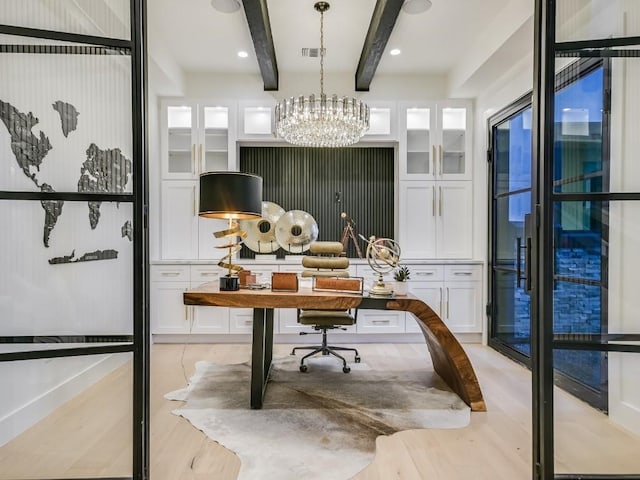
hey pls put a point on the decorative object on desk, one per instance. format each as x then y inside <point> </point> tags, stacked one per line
<point>348,233</point>
<point>246,278</point>
<point>233,196</point>
<point>401,275</point>
<point>316,426</point>
<point>284,282</point>
<point>296,230</point>
<point>317,121</point>
<point>337,284</point>
<point>261,232</point>
<point>383,255</point>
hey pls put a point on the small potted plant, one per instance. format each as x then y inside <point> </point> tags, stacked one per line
<point>401,275</point>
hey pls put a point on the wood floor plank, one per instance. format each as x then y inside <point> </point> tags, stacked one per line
<point>91,434</point>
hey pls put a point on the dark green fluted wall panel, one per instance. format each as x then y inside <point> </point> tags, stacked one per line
<point>326,182</point>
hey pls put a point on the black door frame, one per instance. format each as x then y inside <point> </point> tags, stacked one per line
<point>546,49</point>
<point>564,78</point>
<point>139,343</point>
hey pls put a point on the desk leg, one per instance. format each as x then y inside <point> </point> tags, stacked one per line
<point>261,353</point>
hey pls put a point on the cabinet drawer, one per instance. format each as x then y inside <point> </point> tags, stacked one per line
<point>426,273</point>
<point>205,273</point>
<point>240,320</point>
<point>465,273</point>
<point>380,321</point>
<point>170,273</point>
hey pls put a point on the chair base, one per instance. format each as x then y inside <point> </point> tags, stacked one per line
<point>325,350</point>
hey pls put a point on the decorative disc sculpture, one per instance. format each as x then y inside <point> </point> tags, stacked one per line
<point>261,233</point>
<point>383,255</point>
<point>296,230</point>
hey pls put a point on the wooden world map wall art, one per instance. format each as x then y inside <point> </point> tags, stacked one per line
<point>104,170</point>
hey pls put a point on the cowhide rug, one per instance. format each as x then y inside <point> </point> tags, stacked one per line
<point>322,424</point>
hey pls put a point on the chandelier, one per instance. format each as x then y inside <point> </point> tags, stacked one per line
<point>320,121</point>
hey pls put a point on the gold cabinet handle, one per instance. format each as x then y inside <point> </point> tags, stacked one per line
<point>440,203</point>
<point>441,158</point>
<point>440,306</point>
<point>193,158</point>
<point>433,204</point>
<point>434,160</point>
<point>201,162</point>
<point>447,303</point>
<point>195,201</point>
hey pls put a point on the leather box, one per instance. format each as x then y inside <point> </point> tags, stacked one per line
<point>351,285</point>
<point>284,282</point>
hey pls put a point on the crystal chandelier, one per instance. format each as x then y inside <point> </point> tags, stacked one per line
<point>318,121</point>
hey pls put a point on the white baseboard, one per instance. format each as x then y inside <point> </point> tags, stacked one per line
<point>30,413</point>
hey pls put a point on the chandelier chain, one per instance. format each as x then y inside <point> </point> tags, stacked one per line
<point>321,53</point>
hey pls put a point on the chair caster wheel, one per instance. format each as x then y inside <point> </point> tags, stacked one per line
<point>303,368</point>
<point>357,359</point>
<point>346,369</point>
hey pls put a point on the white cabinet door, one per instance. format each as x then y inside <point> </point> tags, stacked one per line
<point>196,138</point>
<point>453,157</point>
<point>179,227</point>
<point>208,319</point>
<point>417,225</point>
<point>455,221</point>
<point>241,320</point>
<point>168,312</point>
<point>179,141</point>
<point>288,321</point>
<point>462,310</point>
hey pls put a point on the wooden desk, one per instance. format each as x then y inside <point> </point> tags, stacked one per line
<point>449,359</point>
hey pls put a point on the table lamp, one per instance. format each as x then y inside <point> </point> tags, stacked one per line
<point>233,196</point>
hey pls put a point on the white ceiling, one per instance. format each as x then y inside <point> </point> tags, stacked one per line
<point>201,39</point>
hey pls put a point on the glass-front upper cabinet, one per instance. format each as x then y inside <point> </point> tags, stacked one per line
<point>196,139</point>
<point>435,141</point>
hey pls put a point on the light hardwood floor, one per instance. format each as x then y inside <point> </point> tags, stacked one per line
<point>91,434</point>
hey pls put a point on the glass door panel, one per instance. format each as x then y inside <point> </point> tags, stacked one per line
<point>216,127</point>
<point>49,431</point>
<point>419,141</point>
<point>182,143</point>
<point>454,126</point>
<point>511,139</point>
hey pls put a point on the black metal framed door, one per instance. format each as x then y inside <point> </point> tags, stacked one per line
<point>606,204</point>
<point>74,241</point>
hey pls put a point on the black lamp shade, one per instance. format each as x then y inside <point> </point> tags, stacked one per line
<point>230,195</point>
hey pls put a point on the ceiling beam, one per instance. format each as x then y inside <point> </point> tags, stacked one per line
<point>383,20</point>
<point>258,19</point>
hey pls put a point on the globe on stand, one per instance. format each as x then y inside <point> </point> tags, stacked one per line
<point>383,255</point>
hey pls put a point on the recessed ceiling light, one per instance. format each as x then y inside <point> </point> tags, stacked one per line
<point>394,52</point>
<point>243,54</point>
<point>413,7</point>
<point>226,6</point>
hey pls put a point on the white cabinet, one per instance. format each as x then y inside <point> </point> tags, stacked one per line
<point>207,319</point>
<point>255,120</point>
<point>435,140</point>
<point>196,138</point>
<point>185,235</point>
<point>168,313</point>
<point>435,199</point>
<point>435,220</point>
<point>454,292</point>
<point>179,220</point>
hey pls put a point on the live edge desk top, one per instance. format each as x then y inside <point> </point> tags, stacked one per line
<point>449,359</point>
